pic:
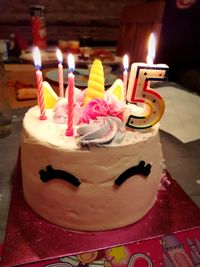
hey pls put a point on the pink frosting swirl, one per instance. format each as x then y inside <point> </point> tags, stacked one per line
<point>60,112</point>
<point>102,108</point>
<point>108,107</point>
<point>60,109</point>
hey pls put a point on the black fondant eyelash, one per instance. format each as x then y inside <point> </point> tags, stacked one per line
<point>138,169</point>
<point>51,174</point>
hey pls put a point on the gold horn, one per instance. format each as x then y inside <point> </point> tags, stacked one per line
<point>95,87</point>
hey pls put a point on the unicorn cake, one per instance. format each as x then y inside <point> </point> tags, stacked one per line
<point>106,174</point>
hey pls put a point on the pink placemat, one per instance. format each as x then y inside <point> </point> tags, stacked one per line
<point>181,249</point>
<point>29,238</point>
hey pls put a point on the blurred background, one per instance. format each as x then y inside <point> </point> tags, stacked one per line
<point>67,20</point>
<point>97,23</point>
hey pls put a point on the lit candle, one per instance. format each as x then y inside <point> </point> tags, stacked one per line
<point>60,72</point>
<point>71,66</point>
<point>125,74</point>
<point>139,92</point>
<point>37,62</point>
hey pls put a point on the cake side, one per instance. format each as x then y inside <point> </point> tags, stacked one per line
<point>90,160</point>
<point>97,203</point>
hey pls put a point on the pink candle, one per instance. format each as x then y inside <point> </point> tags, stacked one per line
<point>71,65</point>
<point>60,72</point>
<point>125,74</point>
<point>37,62</point>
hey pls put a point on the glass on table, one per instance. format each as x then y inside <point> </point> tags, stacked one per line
<point>5,110</point>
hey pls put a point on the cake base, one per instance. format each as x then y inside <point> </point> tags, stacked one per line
<point>29,238</point>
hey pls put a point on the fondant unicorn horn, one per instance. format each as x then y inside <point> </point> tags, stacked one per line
<point>95,87</point>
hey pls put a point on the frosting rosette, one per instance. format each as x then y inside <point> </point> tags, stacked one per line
<point>110,106</point>
<point>102,108</point>
<point>102,131</point>
<point>61,107</point>
<point>60,112</point>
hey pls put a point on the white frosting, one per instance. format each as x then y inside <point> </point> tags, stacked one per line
<point>97,204</point>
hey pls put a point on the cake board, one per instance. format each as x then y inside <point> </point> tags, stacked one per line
<point>29,238</point>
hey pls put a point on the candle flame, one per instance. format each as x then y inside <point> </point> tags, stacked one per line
<point>71,62</point>
<point>59,56</point>
<point>151,49</point>
<point>126,62</point>
<point>37,58</point>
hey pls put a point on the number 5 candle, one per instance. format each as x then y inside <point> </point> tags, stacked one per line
<point>37,62</point>
<point>139,91</point>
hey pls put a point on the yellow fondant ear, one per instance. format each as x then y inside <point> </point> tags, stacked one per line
<point>50,97</point>
<point>117,89</point>
<point>95,87</point>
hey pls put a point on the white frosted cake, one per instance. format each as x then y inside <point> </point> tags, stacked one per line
<point>105,176</point>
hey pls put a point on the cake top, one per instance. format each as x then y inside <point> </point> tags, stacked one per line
<point>54,134</point>
<point>96,116</point>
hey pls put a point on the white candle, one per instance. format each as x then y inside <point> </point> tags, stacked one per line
<point>125,74</point>
<point>37,62</point>
<point>139,92</point>
<point>60,72</point>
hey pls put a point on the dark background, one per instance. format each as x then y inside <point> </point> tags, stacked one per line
<point>179,45</point>
<point>65,19</point>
